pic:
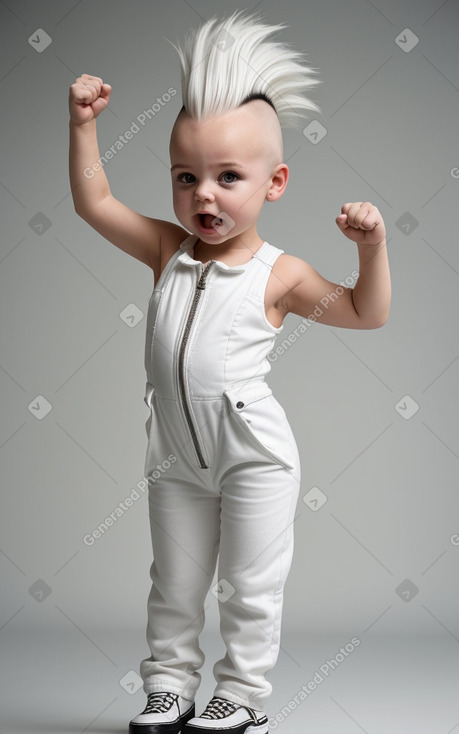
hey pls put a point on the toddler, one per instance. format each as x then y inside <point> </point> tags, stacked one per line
<point>221,460</point>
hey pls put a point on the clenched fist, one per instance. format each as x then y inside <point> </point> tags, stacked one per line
<point>362,222</point>
<point>87,98</point>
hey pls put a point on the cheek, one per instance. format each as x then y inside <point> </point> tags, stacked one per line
<point>249,201</point>
<point>179,197</point>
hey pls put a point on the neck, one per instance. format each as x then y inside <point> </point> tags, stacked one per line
<point>233,252</point>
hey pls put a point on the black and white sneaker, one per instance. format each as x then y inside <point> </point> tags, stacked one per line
<point>226,717</point>
<point>165,713</point>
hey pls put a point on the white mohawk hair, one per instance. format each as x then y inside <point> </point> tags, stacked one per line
<point>225,63</point>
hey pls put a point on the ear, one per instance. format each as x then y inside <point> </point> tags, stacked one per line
<point>278,182</point>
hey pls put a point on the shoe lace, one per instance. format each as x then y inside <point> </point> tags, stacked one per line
<point>218,708</point>
<point>159,702</point>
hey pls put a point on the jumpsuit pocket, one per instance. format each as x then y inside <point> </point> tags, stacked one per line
<point>149,391</point>
<point>263,421</point>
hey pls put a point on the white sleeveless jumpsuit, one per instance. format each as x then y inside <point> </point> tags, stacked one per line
<point>223,475</point>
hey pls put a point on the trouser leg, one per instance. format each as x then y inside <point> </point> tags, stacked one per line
<point>185,523</point>
<point>256,547</point>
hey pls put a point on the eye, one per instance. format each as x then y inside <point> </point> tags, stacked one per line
<point>181,175</point>
<point>230,173</point>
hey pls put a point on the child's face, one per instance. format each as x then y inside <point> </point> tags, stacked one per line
<point>224,165</point>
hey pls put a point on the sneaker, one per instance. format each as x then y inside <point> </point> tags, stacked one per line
<point>165,713</point>
<point>226,717</point>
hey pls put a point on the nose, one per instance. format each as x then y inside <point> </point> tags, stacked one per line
<point>204,192</point>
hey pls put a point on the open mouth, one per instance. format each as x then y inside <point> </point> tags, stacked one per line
<point>209,222</point>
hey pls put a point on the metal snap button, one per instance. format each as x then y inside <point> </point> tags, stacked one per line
<point>239,404</point>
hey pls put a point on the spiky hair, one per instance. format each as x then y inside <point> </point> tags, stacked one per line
<point>225,63</point>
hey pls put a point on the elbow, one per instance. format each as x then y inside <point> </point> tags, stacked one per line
<point>377,321</point>
<point>374,315</point>
<point>77,207</point>
<point>82,212</point>
<point>377,316</point>
<point>378,324</point>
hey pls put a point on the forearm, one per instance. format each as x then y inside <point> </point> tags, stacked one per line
<point>372,292</point>
<point>88,182</point>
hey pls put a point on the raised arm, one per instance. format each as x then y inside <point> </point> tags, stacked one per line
<point>366,306</point>
<point>134,233</point>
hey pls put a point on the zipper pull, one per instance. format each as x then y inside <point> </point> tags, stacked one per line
<point>202,280</point>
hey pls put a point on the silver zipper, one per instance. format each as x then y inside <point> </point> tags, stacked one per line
<point>200,286</point>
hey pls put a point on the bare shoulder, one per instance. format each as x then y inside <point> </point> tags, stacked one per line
<point>287,272</point>
<point>291,266</point>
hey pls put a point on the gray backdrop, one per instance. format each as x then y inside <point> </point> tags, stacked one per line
<point>374,412</point>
